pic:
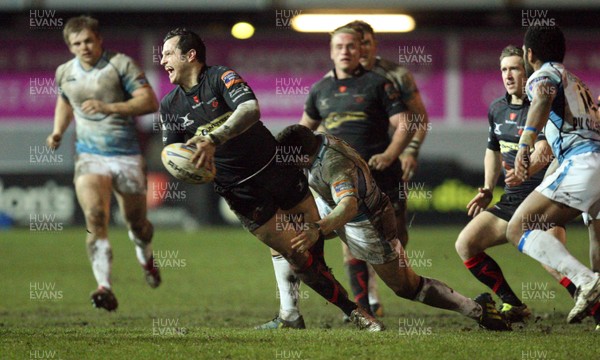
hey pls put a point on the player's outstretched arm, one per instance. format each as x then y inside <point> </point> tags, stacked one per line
<point>143,101</point>
<point>63,114</point>
<point>343,212</point>
<point>492,167</point>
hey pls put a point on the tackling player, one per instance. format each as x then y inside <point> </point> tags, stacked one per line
<point>561,104</point>
<point>104,90</point>
<point>217,112</point>
<point>351,205</point>
<point>358,106</point>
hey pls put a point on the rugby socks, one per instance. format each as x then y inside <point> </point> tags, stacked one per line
<point>100,254</point>
<point>358,272</point>
<point>437,294</point>
<point>487,270</point>
<point>143,250</point>
<point>548,250</point>
<point>318,277</point>
<point>567,284</point>
<point>288,285</point>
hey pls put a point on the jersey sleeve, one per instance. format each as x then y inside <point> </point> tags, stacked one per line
<point>132,77</point>
<point>407,85</point>
<point>492,141</point>
<point>233,88</point>
<point>58,76</point>
<point>542,76</point>
<point>342,177</point>
<point>310,105</point>
<point>390,99</point>
<point>172,132</point>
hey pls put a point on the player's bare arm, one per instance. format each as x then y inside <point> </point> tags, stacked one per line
<point>492,164</point>
<point>143,101</point>
<point>244,116</point>
<point>309,122</point>
<point>63,114</point>
<point>344,211</point>
<point>539,111</point>
<point>408,158</point>
<point>541,156</point>
<point>404,131</point>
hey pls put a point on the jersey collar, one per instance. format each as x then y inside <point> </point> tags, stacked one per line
<point>358,72</point>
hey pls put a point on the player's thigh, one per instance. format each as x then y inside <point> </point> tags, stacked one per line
<point>538,212</point>
<point>93,193</point>
<point>484,231</point>
<point>133,207</point>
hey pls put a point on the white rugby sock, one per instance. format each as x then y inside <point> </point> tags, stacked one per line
<point>373,289</point>
<point>101,258</point>
<point>143,251</point>
<point>548,250</point>
<point>288,284</point>
<point>437,294</point>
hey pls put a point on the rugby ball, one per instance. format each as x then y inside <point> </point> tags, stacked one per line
<point>176,159</point>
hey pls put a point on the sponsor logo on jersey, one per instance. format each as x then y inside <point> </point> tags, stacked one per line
<point>343,89</point>
<point>336,119</point>
<point>343,187</point>
<point>231,78</point>
<point>497,130</point>
<point>507,146</point>
<point>512,116</point>
<point>186,121</point>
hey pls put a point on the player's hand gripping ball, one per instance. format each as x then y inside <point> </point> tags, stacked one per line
<point>176,158</point>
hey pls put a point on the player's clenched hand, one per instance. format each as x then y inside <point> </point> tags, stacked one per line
<point>305,239</point>
<point>380,161</point>
<point>409,165</point>
<point>522,162</point>
<point>480,202</point>
<point>205,152</point>
<point>510,179</point>
<point>92,107</point>
<point>53,141</point>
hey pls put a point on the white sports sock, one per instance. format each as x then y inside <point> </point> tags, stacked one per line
<point>101,258</point>
<point>143,251</point>
<point>288,284</point>
<point>548,250</point>
<point>373,289</point>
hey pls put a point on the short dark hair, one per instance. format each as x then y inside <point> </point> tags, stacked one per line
<point>512,50</point>
<point>361,26</point>
<point>188,40</point>
<point>77,24</point>
<point>546,43</point>
<point>299,136</point>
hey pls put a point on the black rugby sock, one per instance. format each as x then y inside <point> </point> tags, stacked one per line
<point>358,272</point>
<point>486,270</point>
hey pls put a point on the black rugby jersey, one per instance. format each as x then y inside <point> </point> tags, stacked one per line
<point>206,107</point>
<point>506,123</point>
<point>356,110</point>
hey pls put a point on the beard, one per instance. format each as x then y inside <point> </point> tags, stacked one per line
<point>528,68</point>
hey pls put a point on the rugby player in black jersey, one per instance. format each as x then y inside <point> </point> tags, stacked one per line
<point>507,116</point>
<point>215,110</point>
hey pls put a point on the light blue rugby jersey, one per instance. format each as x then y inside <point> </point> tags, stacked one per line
<point>573,126</point>
<point>113,79</point>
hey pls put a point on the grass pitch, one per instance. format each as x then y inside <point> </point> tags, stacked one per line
<point>218,283</point>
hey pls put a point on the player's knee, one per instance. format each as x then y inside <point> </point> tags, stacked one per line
<point>514,231</point>
<point>97,216</point>
<point>142,228</point>
<point>465,247</point>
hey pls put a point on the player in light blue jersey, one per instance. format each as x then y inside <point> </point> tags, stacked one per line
<point>103,91</point>
<point>562,105</point>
